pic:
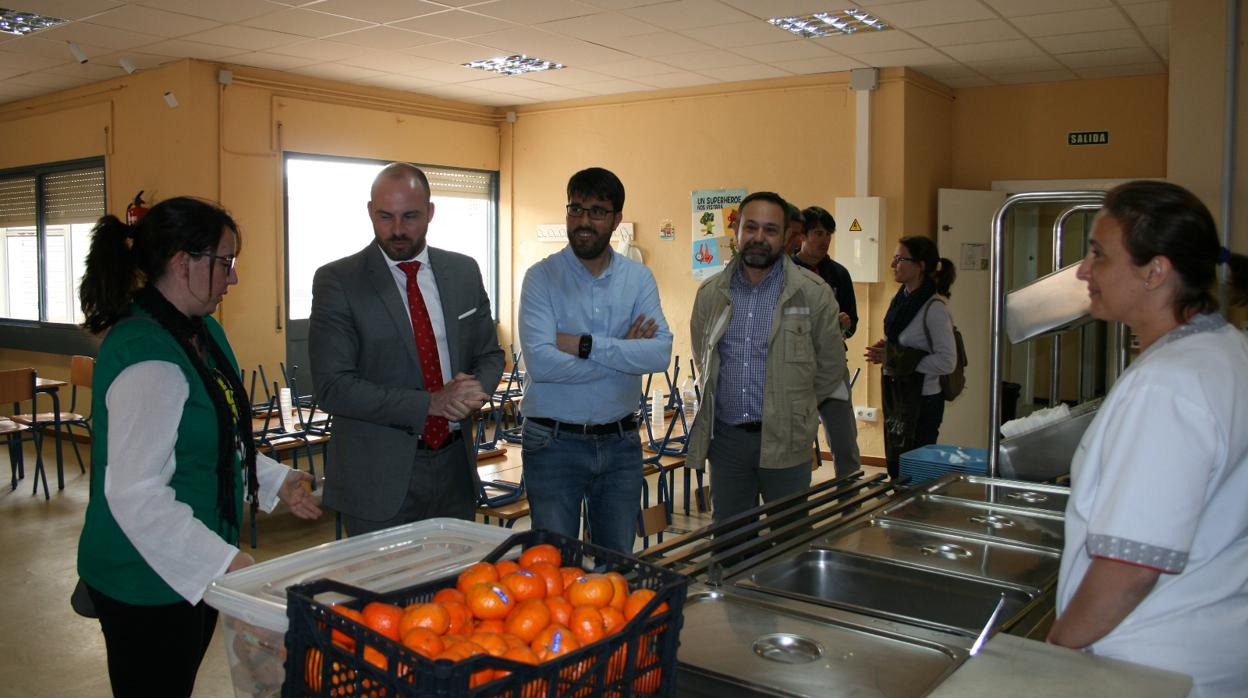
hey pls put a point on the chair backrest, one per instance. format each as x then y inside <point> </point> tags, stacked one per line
<point>17,385</point>
<point>81,370</point>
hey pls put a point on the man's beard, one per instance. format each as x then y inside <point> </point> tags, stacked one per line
<point>759,256</point>
<point>591,249</point>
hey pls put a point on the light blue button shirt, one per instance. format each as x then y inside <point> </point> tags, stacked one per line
<point>560,295</point>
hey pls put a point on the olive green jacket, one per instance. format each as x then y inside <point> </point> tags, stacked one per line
<point>805,363</point>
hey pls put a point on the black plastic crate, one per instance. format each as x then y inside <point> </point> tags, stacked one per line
<point>640,660</point>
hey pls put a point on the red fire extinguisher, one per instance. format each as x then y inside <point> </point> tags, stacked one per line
<point>136,209</point>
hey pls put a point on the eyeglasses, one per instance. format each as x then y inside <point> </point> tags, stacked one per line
<point>596,213</point>
<point>227,262</point>
<point>898,258</point>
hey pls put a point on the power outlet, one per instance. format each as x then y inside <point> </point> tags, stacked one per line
<point>866,414</point>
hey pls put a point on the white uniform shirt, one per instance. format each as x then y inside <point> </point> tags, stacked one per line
<point>1160,480</point>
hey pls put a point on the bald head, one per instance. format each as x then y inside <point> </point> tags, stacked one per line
<point>401,173</point>
<point>400,210</point>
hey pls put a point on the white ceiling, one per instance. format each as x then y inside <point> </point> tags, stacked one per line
<point>608,46</point>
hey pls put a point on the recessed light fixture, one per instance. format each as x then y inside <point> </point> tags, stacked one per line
<point>17,22</point>
<point>830,23</point>
<point>514,65</point>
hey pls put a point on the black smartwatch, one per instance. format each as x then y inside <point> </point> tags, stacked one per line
<point>587,344</point>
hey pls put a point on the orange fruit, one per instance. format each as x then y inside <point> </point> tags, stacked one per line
<point>491,626</point>
<point>612,620</point>
<point>525,585</point>
<point>489,600</point>
<point>384,618</point>
<point>560,609</point>
<point>591,590</point>
<point>449,594</point>
<point>521,654</point>
<point>460,618</point>
<point>312,669</point>
<point>456,652</point>
<point>424,642</point>
<point>528,618</point>
<point>570,574</point>
<point>340,638</point>
<point>374,656</point>
<point>543,552</point>
<point>555,641</point>
<point>513,640</point>
<point>476,574</point>
<point>587,624</point>
<point>506,567</point>
<point>638,600</point>
<point>433,616</point>
<point>493,643</point>
<point>549,573</point>
<point>621,590</point>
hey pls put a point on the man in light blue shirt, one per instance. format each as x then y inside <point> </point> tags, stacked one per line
<point>590,327</point>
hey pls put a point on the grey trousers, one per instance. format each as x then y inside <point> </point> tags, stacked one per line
<point>737,481</point>
<point>842,432</point>
<point>440,486</point>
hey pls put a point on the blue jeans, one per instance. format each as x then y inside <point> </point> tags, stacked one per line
<point>562,468</point>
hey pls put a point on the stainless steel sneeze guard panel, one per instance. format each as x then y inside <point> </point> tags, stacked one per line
<point>1055,302</point>
<point>722,634</point>
<point>875,586</point>
<point>999,561</point>
<point>1009,493</point>
<point>1031,527</point>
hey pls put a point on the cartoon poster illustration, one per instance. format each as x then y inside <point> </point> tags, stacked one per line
<point>714,214</point>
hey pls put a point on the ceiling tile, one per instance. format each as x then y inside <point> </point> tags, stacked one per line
<point>28,62</point>
<point>454,24</point>
<point>1113,71</point>
<point>870,42</point>
<point>620,4</point>
<point>1158,38</point>
<point>50,81</point>
<point>946,70</point>
<point>191,49</point>
<point>65,9</point>
<point>1149,14</point>
<point>501,100</point>
<point>379,11</point>
<point>612,87</point>
<point>452,92</point>
<point>1028,78</point>
<point>766,9</point>
<point>219,10</point>
<point>313,25</point>
<point>552,47</point>
<point>272,61</point>
<point>388,62</point>
<point>655,45</point>
<point>1098,59</point>
<point>321,50</point>
<point>600,26</point>
<point>1091,41</point>
<point>740,73</point>
<point>711,58</point>
<point>448,73</point>
<point>960,83</point>
<point>994,50</point>
<point>96,35</point>
<point>385,38</point>
<point>916,57</point>
<point>510,84</point>
<point>750,33</point>
<point>240,37</point>
<point>929,12</point>
<point>152,21</point>
<point>681,78</point>
<point>638,68</point>
<point>453,51</point>
<point>406,83</point>
<point>1012,66</point>
<point>48,48</point>
<point>966,32</point>
<point>88,72</point>
<point>1077,21</point>
<point>569,77</point>
<point>810,66</point>
<point>551,93</point>
<point>336,71</point>
<point>142,61</point>
<point>786,51</point>
<point>534,11</point>
<point>1022,8</point>
<point>10,91</point>
<point>688,14</point>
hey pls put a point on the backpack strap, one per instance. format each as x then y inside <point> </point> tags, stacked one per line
<point>931,348</point>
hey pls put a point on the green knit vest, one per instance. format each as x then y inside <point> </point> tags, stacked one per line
<point>107,560</point>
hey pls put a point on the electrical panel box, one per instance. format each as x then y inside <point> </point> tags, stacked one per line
<point>859,231</point>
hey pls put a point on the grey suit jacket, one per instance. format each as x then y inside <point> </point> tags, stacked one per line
<point>367,373</point>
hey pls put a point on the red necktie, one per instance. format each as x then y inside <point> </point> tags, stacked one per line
<point>436,428</point>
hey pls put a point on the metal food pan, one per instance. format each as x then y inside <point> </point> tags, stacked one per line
<point>1014,493</point>
<point>993,521</point>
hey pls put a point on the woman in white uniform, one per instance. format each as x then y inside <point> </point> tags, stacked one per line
<point>1155,569</point>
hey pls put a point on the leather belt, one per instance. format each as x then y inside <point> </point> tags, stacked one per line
<point>454,437</point>
<point>629,423</point>
<point>749,426</point>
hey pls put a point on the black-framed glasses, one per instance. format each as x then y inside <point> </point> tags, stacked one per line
<point>227,261</point>
<point>596,213</point>
<point>898,258</point>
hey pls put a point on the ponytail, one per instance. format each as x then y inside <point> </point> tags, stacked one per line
<point>109,278</point>
<point>944,276</point>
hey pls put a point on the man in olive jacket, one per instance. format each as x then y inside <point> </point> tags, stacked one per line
<point>769,350</point>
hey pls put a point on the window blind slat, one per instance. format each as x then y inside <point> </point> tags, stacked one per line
<point>17,202</point>
<point>76,196</point>
<point>458,183</point>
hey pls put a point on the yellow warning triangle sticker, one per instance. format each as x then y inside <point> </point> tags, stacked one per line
<point>854,227</point>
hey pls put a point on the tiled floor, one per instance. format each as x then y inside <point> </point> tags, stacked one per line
<point>46,649</point>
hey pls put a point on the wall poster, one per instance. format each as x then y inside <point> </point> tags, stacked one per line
<point>714,214</point>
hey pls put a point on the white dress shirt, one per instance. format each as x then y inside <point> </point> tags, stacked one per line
<point>433,303</point>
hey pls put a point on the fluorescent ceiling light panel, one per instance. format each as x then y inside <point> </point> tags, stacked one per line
<point>830,23</point>
<point>16,22</point>
<point>514,65</point>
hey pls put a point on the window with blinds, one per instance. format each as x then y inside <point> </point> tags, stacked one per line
<point>46,216</point>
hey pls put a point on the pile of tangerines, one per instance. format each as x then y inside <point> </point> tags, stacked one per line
<point>531,611</point>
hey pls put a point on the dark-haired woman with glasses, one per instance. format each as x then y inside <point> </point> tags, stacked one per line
<point>172,454</point>
<point>917,349</point>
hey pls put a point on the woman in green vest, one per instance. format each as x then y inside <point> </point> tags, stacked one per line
<point>173,451</point>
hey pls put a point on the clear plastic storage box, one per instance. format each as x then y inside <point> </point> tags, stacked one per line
<point>252,601</point>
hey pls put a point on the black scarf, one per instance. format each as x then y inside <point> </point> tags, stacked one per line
<point>190,332</point>
<point>904,307</point>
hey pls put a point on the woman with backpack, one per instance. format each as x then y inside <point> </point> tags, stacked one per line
<point>917,349</point>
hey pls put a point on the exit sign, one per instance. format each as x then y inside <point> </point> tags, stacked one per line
<point>1087,138</point>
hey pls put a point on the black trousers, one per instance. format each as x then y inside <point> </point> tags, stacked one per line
<point>154,650</point>
<point>440,486</point>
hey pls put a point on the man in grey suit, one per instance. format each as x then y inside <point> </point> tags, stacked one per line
<point>403,351</point>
